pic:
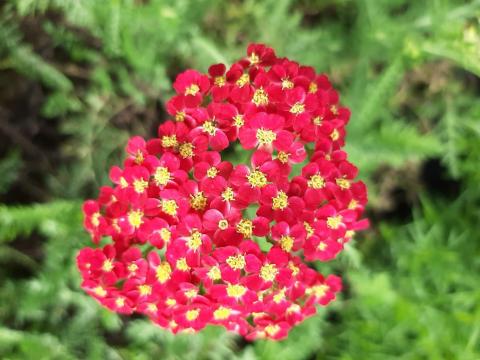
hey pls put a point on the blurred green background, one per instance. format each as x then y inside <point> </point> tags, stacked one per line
<point>77,78</point>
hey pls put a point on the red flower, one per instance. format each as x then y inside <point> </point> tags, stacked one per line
<point>198,236</point>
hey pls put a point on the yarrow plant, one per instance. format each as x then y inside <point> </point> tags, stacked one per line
<point>184,250</point>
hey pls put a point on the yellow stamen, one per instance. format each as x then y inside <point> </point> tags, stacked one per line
<point>257,179</point>
<point>286,243</point>
<point>245,227</point>
<point>144,290</point>
<point>195,240</point>
<point>297,108</point>
<point>198,201</point>
<point>283,157</point>
<point>193,89</point>
<point>223,224</point>
<point>140,185</point>
<point>214,273</point>
<point>238,121</point>
<point>164,272</point>
<point>169,141</point>
<point>186,150</point>
<point>219,81</point>
<point>212,172</point>
<point>312,88</point>
<point>209,127</point>
<point>182,265</point>
<point>333,222</point>
<point>169,207</point>
<point>265,137</point>
<point>236,262</point>
<point>268,272</point>
<point>135,218</point>
<point>243,80</point>
<point>228,194</point>
<point>287,84</point>
<point>192,315</point>
<point>316,182</point>
<point>343,183</point>
<point>260,97</point>
<point>236,290</point>
<point>280,201</point>
<point>221,313</point>
<point>107,265</point>
<point>162,176</point>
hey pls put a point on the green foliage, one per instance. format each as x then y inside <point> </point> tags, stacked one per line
<point>409,71</point>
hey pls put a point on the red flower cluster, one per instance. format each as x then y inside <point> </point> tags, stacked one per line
<point>198,240</point>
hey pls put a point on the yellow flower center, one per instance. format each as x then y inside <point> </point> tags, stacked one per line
<point>352,204</point>
<point>295,269</point>
<point>318,290</point>
<point>191,293</point>
<point>140,185</point>
<point>132,267</point>
<point>152,308</point>
<point>100,291</point>
<point>214,273</point>
<point>182,265</point>
<point>278,297</point>
<point>193,89</point>
<point>195,240</point>
<point>221,313</point>
<point>219,81</point>
<point>209,127</point>
<point>186,150</point>
<point>280,201</point>
<point>297,108</point>
<point>238,121</point>
<point>254,59</point>
<point>139,157</point>
<point>120,302</point>
<point>283,157</point>
<point>165,234</point>
<point>334,110</point>
<point>123,183</point>
<point>257,179</point>
<point>107,265</point>
<point>223,224</point>
<point>171,302</point>
<point>312,88</point>
<point>286,243</point>
<point>180,116</point>
<point>169,141</point>
<point>198,201</point>
<point>135,218</point>
<point>268,272</point>
<point>333,222</point>
<point>265,137</point>
<point>322,246</point>
<point>192,314</point>
<point>245,227</point>
<point>162,176</point>
<point>212,172</point>
<point>287,84</point>
<point>343,183</point>
<point>228,194</point>
<point>95,219</point>
<point>308,229</point>
<point>335,135</point>
<point>316,182</point>
<point>236,290</point>
<point>260,97</point>
<point>169,207</point>
<point>163,272</point>
<point>243,80</point>
<point>317,120</point>
<point>272,330</point>
<point>144,290</point>
<point>236,262</point>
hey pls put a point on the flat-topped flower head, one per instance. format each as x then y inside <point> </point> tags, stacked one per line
<point>212,221</point>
